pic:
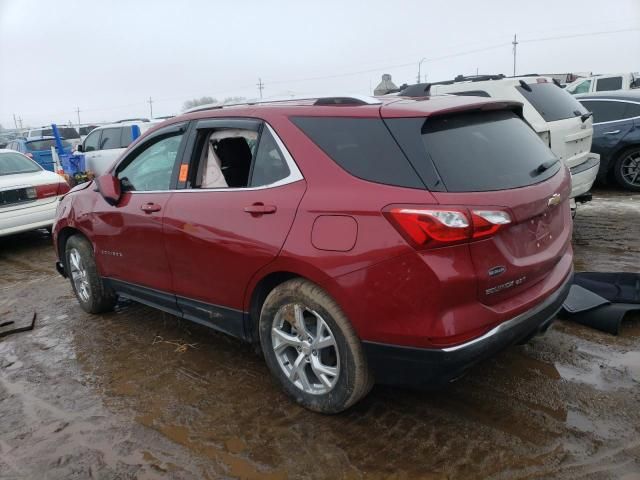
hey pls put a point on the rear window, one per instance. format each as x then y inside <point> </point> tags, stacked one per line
<point>65,132</point>
<point>477,152</point>
<point>11,163</point>
<point>552,102</point>
<point>39,145</point>
<point>361,146</point>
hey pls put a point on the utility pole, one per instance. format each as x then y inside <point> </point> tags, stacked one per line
<point>260,86</point>
<point>150,101</point>
<point>515,46</point>
<point>15,122</point>
<point>420,65</point>
<point>78,112</point>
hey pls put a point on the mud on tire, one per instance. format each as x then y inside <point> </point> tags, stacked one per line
<point>93,295</point>
<point>330,340</point>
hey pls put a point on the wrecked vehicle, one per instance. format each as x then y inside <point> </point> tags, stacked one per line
<point>354,239</point>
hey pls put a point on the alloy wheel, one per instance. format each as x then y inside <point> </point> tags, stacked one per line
<point>305,349</point>
<point>79,275</point>
<point>630,169</point>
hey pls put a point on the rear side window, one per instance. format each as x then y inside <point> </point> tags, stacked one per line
<point>607,84</point>
<point>551,101</point>
<point>477,152</point>
<point>361,146</point>
<point>126,137</point>
<point>110,138</point>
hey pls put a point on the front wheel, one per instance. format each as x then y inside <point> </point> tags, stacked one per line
<point>92,294</point>
<point>311,348</point>
<point>627,170</point>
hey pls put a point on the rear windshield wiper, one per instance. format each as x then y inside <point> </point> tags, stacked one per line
<point>544,166</point>
<point>583,116</point>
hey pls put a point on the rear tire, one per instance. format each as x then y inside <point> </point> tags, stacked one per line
<point>626,170</point>
<point>90,290</point>
<point>319,364</point>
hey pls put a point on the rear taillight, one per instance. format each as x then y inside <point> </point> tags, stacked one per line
<point>48,190</point>
<point>442,226</point>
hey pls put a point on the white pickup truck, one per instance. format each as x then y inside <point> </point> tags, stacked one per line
<point>604,83</point>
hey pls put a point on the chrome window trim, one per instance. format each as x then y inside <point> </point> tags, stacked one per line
<point>611,100</point>
<point>294,174</point>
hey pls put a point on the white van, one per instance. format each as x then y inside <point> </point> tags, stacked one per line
<point>558,118</point>
<point>105,144</point>
<point>604,83</point>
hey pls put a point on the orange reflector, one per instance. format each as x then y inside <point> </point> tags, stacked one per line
<point>184,171</point>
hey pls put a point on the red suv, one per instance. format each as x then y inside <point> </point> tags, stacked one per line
<point>354,239</point>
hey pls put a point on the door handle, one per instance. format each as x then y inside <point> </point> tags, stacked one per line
<point>260,209</point>
<point>611,133</point>
<point>150,207</point>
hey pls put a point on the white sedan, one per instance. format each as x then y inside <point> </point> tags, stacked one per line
<point>29,194</point>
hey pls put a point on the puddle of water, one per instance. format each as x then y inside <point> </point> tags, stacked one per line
<point>608,370</point>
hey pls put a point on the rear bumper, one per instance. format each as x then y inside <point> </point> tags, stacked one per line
<point>28,218</point>
<point>426,367</point>
<point>583,175</point>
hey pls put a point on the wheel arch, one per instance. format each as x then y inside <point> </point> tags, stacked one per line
<point>619,152</point>
<point>265,281</point>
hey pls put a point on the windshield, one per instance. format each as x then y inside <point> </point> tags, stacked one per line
<point>40,145</point>
<point>11,163</point>
<point>552,102</point>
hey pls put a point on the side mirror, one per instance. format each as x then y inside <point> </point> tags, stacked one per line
<point>109,187</point>
<point>79,148</point>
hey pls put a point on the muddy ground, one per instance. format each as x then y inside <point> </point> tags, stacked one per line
<point>115,396</point>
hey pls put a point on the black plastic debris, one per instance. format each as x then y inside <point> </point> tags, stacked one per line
<point>10,324</point>
<point>601,300</point>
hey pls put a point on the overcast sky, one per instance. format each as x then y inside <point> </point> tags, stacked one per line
<point>109,57</point>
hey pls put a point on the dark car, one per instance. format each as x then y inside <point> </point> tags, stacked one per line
<point>616,135</point>
<point>395,240</point>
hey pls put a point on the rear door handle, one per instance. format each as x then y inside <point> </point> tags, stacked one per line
<point>260,209</point>
<point>611,133</point>
<point>150,207</point>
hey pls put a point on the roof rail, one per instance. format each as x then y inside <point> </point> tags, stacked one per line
<point>317,100</point>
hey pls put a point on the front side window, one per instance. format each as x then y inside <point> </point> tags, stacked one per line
<point>110,138</point>
<point>608,84</point>
<point>92,142</point>
<point>151,168</point>
<point>582,87</point>
<point>604,111</point>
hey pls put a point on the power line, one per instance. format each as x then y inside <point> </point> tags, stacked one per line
<point>371,70</point>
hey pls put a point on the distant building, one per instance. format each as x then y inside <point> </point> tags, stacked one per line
<point>385,86</point>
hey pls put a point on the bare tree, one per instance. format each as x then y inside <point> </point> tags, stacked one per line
<point>197,102</point>
<point>234,100</point>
